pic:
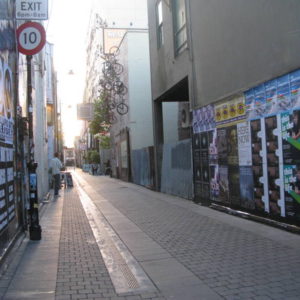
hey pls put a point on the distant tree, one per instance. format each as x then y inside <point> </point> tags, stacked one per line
<point>93,157</point>
<point>98,124</point>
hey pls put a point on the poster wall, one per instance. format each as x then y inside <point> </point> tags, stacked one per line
<point>8,220</point>
<point>254,149</point>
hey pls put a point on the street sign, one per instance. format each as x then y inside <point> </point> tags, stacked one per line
<point>31,38</point>
<point>32,9</point>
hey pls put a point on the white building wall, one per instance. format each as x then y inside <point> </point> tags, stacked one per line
<point>139,83</point>
<point>40,124</point>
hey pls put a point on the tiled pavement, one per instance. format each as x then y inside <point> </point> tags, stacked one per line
<point>188,251</point>
<point>237,258</point>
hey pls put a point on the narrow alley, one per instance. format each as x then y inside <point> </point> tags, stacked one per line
<point>108,239</point>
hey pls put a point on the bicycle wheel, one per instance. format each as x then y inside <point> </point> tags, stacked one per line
<point>122,109</point>
<point>118,68</point>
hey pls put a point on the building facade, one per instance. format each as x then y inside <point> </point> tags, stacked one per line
<point>237,66</point>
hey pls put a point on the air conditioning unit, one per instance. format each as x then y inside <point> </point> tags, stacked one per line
<point>185,115</point>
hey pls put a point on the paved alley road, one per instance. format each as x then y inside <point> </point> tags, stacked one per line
<point>116,240</point>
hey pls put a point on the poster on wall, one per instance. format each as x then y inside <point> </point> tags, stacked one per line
<point>295,89</point>
<point>292,191</point>
<point>222,144</point>
<point>223,184</point>
<point>260,180</point>
<point>234,184</point>
<point>246,187</point>
<point>232,145</point>
<point>271,97</point>
<point>290,129</point>
<point>213,165</point>
<point>7,59</point>
<point>203,119</point>
<point>230,111</point>
<point>274,164</point>
<point>283,93</point>
<point>244,144</point>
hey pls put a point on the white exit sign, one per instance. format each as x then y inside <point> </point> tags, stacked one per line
<point>32,9</point>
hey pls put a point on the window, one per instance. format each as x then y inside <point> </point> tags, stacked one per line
<point>179,24</point>
<point>159,16</point>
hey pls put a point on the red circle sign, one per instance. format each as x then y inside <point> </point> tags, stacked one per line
<point>31,38</point>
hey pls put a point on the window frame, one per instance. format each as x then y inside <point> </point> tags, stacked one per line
<point>159,25</point>
<point>177,31</point>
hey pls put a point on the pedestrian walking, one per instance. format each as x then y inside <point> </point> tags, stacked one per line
<point>55,166</point>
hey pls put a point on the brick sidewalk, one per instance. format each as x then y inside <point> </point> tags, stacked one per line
<point>252,261</point>
<point>82,273</point>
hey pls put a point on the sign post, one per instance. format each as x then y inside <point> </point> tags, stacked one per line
<point>31,38</point>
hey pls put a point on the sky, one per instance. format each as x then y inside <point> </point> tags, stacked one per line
<point>67,30</point>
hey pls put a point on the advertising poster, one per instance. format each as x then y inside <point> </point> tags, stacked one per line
<point>271,97</point>
<point>223,185</point>
<point>213,165</point>
<point>273,165</point>
<point>232,145</point>
<point>249,104</point>
<point>201,167</point>
<point>295,89</point>
<point>203,119</point>
<point>291,175</point>
<point>290,128</point>
<point>260,183</point>
<point>214,183</point>
<point>234,184</point>
<point>244,144</point>
<point>259,101</point>
<point>246,187</point>
<point>230,111</point>
<point>7,192</point>
<point>283,93</point>
<point>222,145</point>
<point>204,161</point>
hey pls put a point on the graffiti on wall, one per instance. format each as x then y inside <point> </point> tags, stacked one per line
<point>254,148</point>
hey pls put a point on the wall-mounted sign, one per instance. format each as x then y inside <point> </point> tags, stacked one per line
<point>32,9</point>
<point>85,111</point>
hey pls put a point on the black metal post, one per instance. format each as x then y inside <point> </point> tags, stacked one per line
<point>34,226</point>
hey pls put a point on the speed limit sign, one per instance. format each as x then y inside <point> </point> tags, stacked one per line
<point>31,38</point>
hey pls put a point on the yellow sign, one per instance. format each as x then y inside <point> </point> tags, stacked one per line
<point>230,111</point>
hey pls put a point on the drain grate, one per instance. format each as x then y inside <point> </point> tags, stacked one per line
<point>126,274</point>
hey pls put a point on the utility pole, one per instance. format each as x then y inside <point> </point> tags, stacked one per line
<point>34,226</point>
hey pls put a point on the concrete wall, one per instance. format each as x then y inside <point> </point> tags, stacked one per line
<point>165,69</point>
<point>142,167</point>
<point>233,45</point>
<point>177,174</point>
<point>238,44</point>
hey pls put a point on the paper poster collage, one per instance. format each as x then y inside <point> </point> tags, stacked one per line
<point>247,149</point>
<point>7,185</point>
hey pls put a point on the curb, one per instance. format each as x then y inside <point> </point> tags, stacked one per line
<point>242,214</point>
